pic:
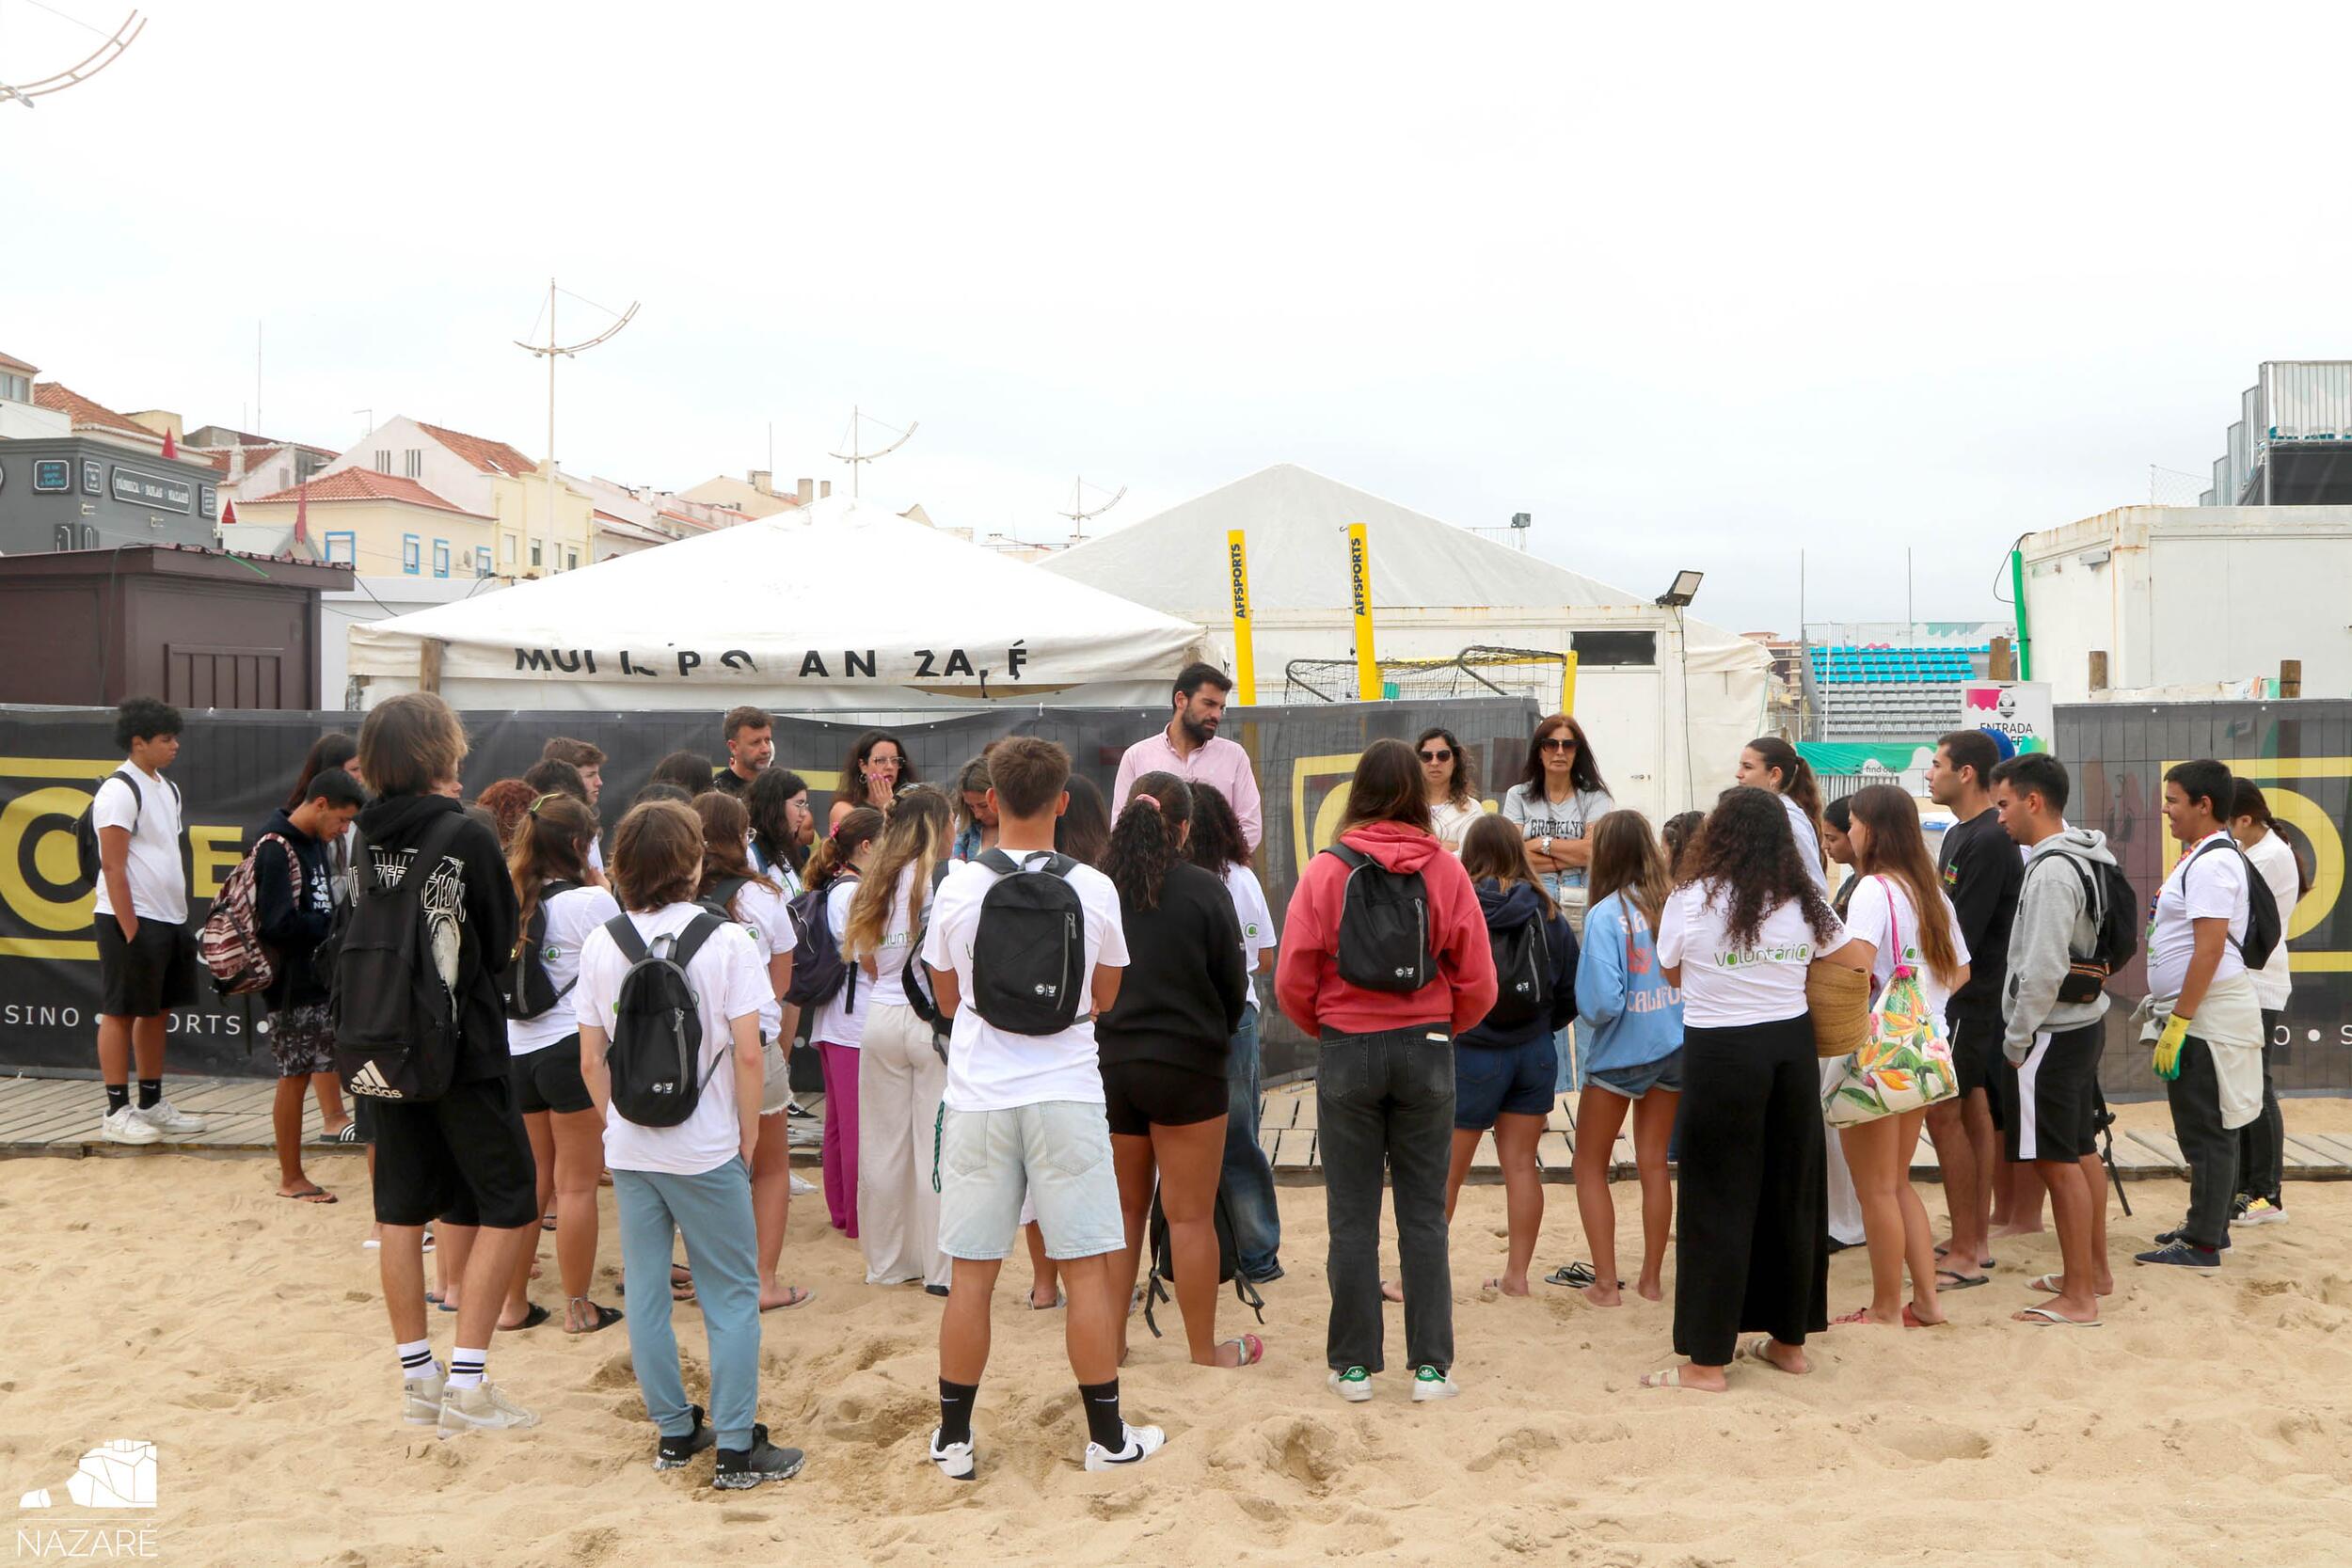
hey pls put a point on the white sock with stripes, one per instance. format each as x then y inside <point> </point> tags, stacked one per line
<point>416,1360</point>
<point>466,1367</point>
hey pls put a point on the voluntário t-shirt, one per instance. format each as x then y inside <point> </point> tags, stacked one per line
<point>841,1017</point>
<point>1880,908</point>
<point>572,914</point>
<point>889,982</point>
<point>764,912</point>
<point>1726,984</point>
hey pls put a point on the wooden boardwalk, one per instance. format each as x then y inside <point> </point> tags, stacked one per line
<point>59,1117</point>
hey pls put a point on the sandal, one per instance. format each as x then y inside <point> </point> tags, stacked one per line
<point>606,1317</point>
<point>531,1319</point>
<point>793,1297</point>
<point>1252,1351</point>
<point>1952,1279</point>
<point>1758,1349</point>
<point>1574,1275</point>
<point>347,1134</point>
<point>681,1282</point>
<point>1672,1378</point>
<point>1059,1300</point>
<point>310,1195</point>
<point>1913,1320</point>
<point>1859,1315</point>
<point>2043,1317</point>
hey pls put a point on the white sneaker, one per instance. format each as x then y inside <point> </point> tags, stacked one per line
<point>2261,1210</point>
<point>1142,1443</point>
<point>481,1408</point>
<point>1431,1383</point>
<point>802,1186</point>
<point>127,1126</point>
<point>1353,1385</point>
<point>172,1121</point>
<point>420,1399</point>
<point>954,1459</point>
<point>804,1134</point>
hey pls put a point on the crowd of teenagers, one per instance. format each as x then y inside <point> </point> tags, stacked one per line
<point>1036,1015</point>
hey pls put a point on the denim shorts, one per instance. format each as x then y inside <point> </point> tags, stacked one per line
<point>1632,1083</point>
<point>1506,1080</point>
<point>1056,1154</point>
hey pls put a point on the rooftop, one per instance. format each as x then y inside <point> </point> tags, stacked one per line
<point>83,411</point>
<point>492,457</point>
<point>362,484</point>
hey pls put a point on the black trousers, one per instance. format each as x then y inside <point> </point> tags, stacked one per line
<point>2210,1149</point>
<point>2262,1143</point>
<point>1755,1192</point>
<point>1386,1100</point>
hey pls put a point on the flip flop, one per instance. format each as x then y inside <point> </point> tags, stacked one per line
<point>794,1296</point>
<point>1672,1378</point>
<point>1574,1275</point>
<point>531,1319</point>
<point>347,1134</point>
<point>2043,1317</point>
<point>315,1195</point>
<point>1059,1300</point>
<point>1945,1251</point>
<point>1252,1351</point>
<point>681,1282</point>
<point>606,1317</point>
<point>1859,1315</point>
<point>1913,1320</point>
<point>547,1222</point>
<point>1952,1279</point>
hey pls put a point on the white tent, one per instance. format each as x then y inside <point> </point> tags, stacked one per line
<point>829,607</point>
<point>1667,709</point>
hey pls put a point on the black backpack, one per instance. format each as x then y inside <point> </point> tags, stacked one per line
<point>526,990</point>
<point>818,970</point>
<point>2264,930</point>
<point>719,901</point>
<point>1163,1263</point>
<point>396,1022</point>
<point>1384,925</point>
<point>1522,974</point>
<point>915,980</point>
<point>86,828</point>
<point>2115,912</point>
<point>657,1038</point>
<point>1029,954</point>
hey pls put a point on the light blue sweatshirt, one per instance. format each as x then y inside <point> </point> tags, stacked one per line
<point>1627,1016</point>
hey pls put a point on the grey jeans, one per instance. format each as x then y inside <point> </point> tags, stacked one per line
<point>1387,1099</point>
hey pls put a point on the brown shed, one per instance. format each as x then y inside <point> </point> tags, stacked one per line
<point>197,628</point>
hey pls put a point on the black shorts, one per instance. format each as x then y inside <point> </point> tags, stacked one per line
<point>2053,1100</point>
<point>1139,1096</point>
<point>1976,1055</point>
<point>549,1079</point>
<point>463,1158</point>
<point>152,972</point>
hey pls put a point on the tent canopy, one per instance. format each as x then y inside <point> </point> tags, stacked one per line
<point>833,605</point>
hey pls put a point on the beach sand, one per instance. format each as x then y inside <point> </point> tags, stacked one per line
<point>174,1298</point>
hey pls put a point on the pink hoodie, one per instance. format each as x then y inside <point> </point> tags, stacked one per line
<point>1306,983</point>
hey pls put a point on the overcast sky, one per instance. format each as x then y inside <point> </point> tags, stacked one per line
<point>1694,286</point>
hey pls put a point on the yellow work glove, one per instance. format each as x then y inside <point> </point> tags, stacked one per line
<point>2167,1060</point>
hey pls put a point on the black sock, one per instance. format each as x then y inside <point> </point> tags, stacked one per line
<point>118,1096</point>
<point>954,1410</point>
<point>1104,1424</point>
<point>150,1090</point>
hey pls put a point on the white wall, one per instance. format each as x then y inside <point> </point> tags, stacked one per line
<point>378,599</point>
<point>446,474</point>
<point>28,421</point>
<point>2192,596</point>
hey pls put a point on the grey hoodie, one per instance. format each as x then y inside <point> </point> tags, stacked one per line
<point>2054,924</point>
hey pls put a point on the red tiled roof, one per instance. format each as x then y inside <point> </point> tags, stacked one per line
<point>82,411</point>
<point>10,362</point>
<point>362,484</point>
<point>492,457</point>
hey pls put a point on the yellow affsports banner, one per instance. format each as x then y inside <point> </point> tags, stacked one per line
<point>1245,652</point>
<point>1359,598</point>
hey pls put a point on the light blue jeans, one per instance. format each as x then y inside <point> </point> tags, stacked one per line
<point>1248,1181</point>
<point>713,1211</point>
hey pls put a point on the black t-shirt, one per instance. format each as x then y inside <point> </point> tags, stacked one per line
<point>1182,996</point>
<point>1982,873</point>
<point>729,780</point>
<point>471,891</point>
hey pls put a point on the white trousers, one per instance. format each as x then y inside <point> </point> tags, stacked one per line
<point>1845,1204</point>
<point>899,1082</point>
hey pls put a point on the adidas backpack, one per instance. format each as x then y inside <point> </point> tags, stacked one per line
<point>527,989</point>
<point>1384,925</point>
<point>396,1020</point>
<point>1522,974</point>
<point>818,970</point>
<point>231,942</point>
<point>654,1052</point>
<point>1029,953</point>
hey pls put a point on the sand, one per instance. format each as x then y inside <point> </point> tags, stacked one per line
<point>174,1298</point>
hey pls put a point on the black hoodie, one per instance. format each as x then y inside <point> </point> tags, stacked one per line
<point>470,890</point>
<point>293,922</point>
<point>1507,909</point>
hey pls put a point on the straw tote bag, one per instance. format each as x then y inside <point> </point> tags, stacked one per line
<point>1905,1063</point>
<point>1838,999</point>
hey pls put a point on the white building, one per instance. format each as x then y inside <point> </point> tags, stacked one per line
<point>2190,598</point>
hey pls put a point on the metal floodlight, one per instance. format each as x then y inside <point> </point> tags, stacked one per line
<point>1521,519</point>
<point>1686,588</point>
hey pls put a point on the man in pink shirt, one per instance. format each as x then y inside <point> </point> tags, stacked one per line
<point>1190,749</point>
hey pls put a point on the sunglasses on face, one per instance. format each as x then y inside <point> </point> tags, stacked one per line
<point>1559,743</point>
<point>1437,757</point>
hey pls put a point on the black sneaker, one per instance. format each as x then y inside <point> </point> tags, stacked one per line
<point>675,1453</point>
<point>2179,1236</point>
<point>741,1469</point>
<point>2181,1254</point>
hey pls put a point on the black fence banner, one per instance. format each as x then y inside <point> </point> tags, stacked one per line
<point>236,767</point>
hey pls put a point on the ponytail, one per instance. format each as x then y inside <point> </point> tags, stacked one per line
<point>1797,778</point>
<point>550,846</point>
<point>1147,838</point>
<point>854,831</point>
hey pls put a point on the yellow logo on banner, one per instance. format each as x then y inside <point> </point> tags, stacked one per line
<point>2320,830</point>
<point>37,831</point>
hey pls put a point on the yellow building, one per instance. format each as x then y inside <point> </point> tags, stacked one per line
<point>481,478</point>
<point>380,524</point>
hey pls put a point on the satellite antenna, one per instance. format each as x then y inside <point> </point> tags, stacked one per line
<point>82,69</point>
<point>552,351</point>
<point>857,455</point>
<point>1078,514</point>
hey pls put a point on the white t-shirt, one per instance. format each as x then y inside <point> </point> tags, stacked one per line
<point>1451,819</point>
<point>2216,891</point>
<point>842,1020</point>
<point>595,855</point>
<point>764,914</point>
<point>571,915</point>
<point>730,979</point>
<point>159,883</point>
<point>1876,899</point>
<point>1808,842</point>
<point>992,1070</point>
<point>1722,986</point>
<point>1257,920</point>
<point>889,983</point>
<point>2275,861</point>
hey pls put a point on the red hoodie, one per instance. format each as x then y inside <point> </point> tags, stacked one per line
<point>1306,982</point>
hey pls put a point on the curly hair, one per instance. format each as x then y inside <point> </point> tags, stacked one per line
<point>1144,839</point>
<point>506,802</point>
<point>1216,843</point>
<point>1748,856</point>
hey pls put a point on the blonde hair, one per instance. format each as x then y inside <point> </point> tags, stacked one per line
<point>918,835</point>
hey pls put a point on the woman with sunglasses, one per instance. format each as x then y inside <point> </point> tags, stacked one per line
<point>1555,802</point>
<point>1450,780</point>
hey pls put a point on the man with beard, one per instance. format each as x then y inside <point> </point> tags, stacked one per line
<point>1191,748</point>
